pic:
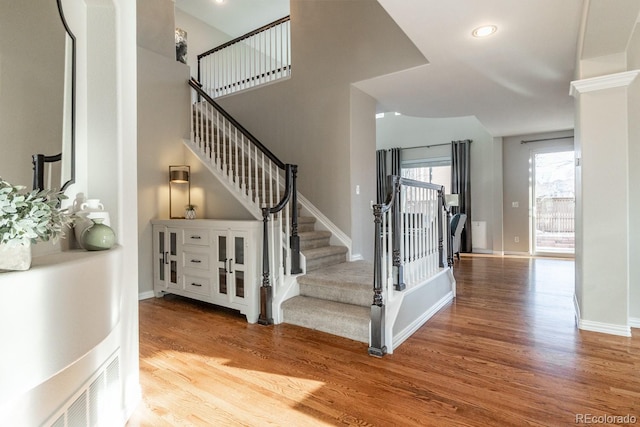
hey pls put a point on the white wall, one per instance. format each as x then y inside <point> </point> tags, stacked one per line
<point>607,134</point>
<point>96,24</point>
<point>200,38</point>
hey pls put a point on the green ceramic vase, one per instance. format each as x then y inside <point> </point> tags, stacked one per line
<point>98,236</point>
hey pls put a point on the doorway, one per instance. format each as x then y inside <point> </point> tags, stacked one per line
<point>553,202</point>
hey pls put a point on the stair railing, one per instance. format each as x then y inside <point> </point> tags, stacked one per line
<point>256,174</point>
<point>412,243</point>
<point>258,57</point>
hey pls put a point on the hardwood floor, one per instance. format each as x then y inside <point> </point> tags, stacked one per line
<point>505,352</point>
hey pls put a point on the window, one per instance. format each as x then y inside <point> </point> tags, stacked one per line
<point>434,171</point>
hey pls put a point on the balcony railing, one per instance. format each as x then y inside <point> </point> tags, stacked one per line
<point>259,57</point>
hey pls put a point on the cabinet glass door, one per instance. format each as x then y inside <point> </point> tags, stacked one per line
<point>222,265</point>
<point>172,260</point>
<point>160,255</point>
<point>239,265</point>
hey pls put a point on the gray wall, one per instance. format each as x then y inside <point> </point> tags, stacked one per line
<point>363,178</point>
<point>306,119</point>
<point>516,185</point>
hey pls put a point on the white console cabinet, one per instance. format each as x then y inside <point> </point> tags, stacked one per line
<point>216,261</point>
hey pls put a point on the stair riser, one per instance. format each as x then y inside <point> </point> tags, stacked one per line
<point>360,297</point>
<point>313,243</point>
<point>352,323</point>
<point>314,264</point>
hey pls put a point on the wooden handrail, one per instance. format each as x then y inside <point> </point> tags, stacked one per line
<point>198,88</point>
<point>245,36</point>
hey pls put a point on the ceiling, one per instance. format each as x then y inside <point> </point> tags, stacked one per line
<point>235,17</point>
<point>515,81</point>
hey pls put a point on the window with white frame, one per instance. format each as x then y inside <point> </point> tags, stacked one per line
<point>434,171</point>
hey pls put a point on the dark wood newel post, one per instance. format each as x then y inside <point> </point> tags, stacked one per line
<point>397,218</point>
<point>294,239</point>
<point>441,229</point>
<point>266,291</point>
<point>377,338</point>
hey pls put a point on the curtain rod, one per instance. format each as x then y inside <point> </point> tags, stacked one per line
<point>544,139</point>
<point>428,146</point>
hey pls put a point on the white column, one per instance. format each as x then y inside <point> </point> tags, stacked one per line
<point>602,141</point>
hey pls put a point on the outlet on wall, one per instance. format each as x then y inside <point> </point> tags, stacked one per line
<point>516,239</point>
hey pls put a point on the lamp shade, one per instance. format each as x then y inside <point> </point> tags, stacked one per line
<point>451,199</point>
<point>179,176</point>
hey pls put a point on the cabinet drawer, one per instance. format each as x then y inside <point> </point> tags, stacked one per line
<point>196,237</point>
<point>195,260</point>
<point>197,285</point>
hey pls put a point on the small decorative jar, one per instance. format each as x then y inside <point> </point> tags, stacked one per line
<point>98,237</point>
<point>190,212</point>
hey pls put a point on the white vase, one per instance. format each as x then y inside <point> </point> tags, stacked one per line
<point>190,214</point>
<point>15,257</point>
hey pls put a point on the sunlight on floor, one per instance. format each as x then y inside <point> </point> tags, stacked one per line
<point>236,392</point>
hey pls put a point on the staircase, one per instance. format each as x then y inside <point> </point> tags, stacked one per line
<point>335,299</point>
<point>335,295</point>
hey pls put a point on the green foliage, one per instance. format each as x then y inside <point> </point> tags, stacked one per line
<point>30,216</point>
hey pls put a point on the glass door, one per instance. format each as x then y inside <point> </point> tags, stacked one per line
<point>553,202</point>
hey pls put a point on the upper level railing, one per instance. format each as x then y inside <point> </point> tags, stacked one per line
<point>412,243</point>
<point>263,182</point>
<point>256,58</point>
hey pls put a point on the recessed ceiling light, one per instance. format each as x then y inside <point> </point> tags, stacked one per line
<point>484,31</point>
<point>219,1</point>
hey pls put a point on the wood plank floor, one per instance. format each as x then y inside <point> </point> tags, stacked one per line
<point>505,352</point>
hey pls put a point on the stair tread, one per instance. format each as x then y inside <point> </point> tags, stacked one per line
<point>324,251</point>
<point>316,234</point>
<point>356,273</point>
<point>305,219</point>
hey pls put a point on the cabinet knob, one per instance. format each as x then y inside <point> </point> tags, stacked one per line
<point>196,261</point>
<point>196,237</point>
<point>196,284</point>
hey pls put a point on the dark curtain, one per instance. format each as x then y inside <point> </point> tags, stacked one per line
<point>386,165</point>
<point>461,185</point>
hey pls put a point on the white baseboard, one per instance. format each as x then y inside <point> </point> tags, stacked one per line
<point>146,295</point>
<point>322,222</point>
<point>634,322</point>
<point>604,328</point>
<point>517,253</point>
<point>481,251</point>
<point>356,257</point>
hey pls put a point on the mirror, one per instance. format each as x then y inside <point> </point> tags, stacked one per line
<point>37,90</point>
